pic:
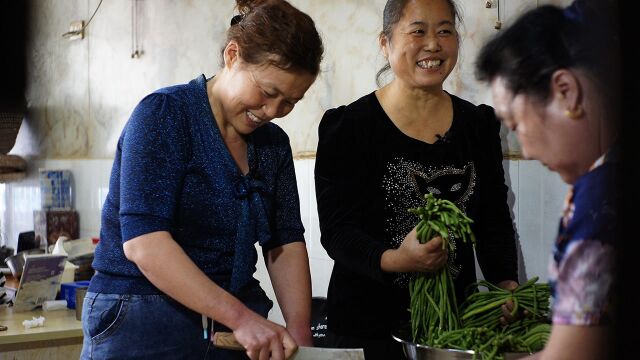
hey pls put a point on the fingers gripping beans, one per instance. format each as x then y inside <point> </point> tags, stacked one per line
<point>433,300</point>
<point>435,319</point>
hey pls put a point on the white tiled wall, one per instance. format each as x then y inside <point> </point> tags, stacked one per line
<point>535,199</point>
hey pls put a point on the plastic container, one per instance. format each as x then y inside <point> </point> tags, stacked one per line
<point>68,292</point>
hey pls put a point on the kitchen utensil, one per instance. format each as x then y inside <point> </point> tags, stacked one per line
<point>226,340</point>
<point>423,352</point>
<point>16,262</point>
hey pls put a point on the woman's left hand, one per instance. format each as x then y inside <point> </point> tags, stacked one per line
<point>507,309</point>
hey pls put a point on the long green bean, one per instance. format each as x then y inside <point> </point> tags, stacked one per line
<point>433,300</point>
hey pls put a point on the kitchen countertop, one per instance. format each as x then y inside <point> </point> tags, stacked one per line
<point>60,328</point>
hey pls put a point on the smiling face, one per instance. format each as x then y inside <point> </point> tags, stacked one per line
<point>423,48</point>
<point>250,96</point>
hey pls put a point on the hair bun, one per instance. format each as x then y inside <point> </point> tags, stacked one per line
<point>245,6</point>
<point>236,19</point>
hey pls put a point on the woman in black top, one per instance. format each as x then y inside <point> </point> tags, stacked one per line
<point>378,156</point>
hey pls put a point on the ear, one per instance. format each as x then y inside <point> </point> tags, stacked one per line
<point>565,86</point>
<point>384,45</point>
<point>231,54</point>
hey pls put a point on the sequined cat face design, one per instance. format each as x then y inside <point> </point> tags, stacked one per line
<point>455,185</point>
<point>405,184</point>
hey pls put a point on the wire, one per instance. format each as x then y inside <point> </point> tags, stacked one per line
<point>135,44</point>
<point>133,28</point>
<point>78,32</point>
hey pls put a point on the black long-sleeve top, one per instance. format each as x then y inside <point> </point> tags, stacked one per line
<point>368,174</point>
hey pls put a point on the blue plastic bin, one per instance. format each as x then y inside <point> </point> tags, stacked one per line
<point>68,292</point>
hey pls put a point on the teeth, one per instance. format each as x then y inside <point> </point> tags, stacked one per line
<point>253,118</point>
<point>429,64</point>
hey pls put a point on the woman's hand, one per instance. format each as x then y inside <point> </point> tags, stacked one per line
<point>287,265</point>
<point>263,339</point>
<point>508,315</point>
<point>412,256</point>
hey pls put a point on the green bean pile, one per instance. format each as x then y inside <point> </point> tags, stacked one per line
<point>482,332</point>
<point>523,336</point>
<point>483,309</point>
<point>435,319</point>
<point>433,301</point>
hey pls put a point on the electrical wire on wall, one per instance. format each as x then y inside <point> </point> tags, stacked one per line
<point>80,32</point>
<point>498,24</point>
<point>136,52</point>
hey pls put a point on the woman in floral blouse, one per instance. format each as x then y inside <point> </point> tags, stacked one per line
<point>547,73</point>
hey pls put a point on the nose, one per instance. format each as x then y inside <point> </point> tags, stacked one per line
<point>432,42</point>
<point>274,109</point>
<point>270,109</point>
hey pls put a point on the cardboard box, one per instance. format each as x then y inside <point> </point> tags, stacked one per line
<point>49,225</point>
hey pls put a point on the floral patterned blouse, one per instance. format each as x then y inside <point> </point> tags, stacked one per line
<point>582,268</point>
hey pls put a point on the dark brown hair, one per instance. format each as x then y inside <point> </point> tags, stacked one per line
<point>274,32</point>
<point>548,38</point>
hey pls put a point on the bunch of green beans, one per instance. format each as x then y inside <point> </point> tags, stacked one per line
<point>433,301</point>
<point>527,336</point>
<point>536,337</point>
<point>482,332</point>
<point>487,343</point>
<point>483,309</point>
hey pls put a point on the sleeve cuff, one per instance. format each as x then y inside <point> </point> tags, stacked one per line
<point>135,225</point>
<point>283,237</point>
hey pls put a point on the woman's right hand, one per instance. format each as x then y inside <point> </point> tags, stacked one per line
<point>263,339</point>
<point>412,256</point>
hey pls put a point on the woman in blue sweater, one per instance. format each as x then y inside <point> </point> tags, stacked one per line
<point>200,175</point>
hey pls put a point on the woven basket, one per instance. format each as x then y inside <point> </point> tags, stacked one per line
<point>12,168</point>
<point>9,125</point>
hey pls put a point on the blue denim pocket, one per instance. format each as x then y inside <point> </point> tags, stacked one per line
<point>144,327</point>
<point>103,313</point>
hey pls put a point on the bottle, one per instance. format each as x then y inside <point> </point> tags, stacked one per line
<point>68,275</point>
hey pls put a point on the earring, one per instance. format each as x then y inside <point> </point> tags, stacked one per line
<point>574,114</point>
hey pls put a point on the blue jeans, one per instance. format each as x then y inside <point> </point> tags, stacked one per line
<point>119,326</point>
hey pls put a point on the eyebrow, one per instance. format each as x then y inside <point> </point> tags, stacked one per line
<point>420,22</point>
<point>276,89</point>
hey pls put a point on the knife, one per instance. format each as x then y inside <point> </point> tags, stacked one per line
<point>226,340</point>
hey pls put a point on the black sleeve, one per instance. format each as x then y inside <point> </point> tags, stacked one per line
<point>339,175</point>
<point>497,255</point>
